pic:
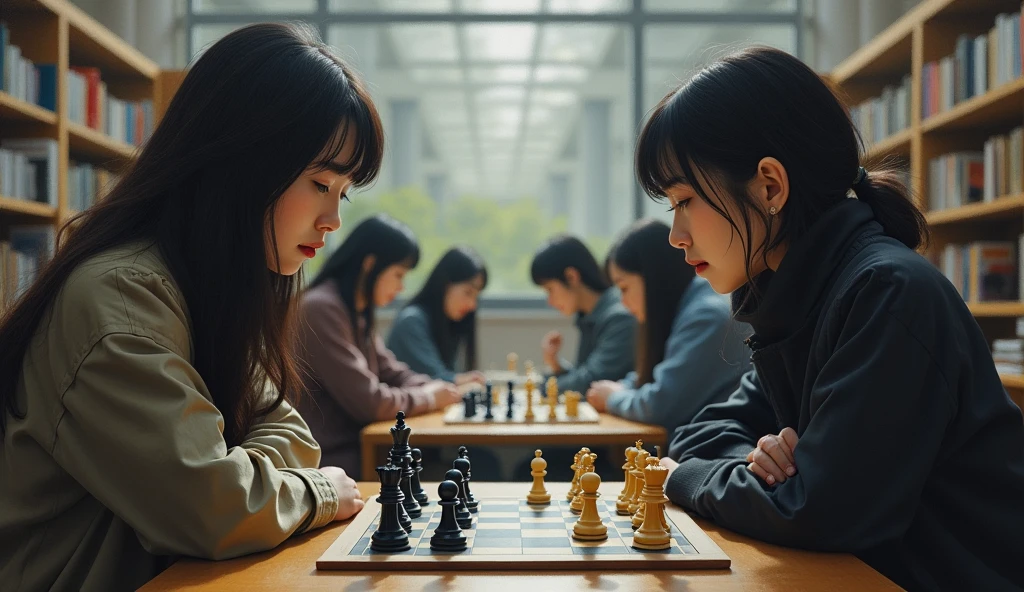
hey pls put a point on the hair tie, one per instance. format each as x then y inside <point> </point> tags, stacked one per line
<point>862,175</point>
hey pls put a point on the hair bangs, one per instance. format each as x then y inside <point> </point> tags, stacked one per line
<point>359,126</point>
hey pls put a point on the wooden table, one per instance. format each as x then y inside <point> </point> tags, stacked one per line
<point>755,566</point>
<point>431,430</point>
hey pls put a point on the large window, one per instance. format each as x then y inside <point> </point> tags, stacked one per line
<point>508,121</point>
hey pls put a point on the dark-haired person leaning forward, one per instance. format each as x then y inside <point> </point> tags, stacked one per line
<point>576,286</point>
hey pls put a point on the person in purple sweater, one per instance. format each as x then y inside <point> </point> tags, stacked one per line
<point>352,378</point>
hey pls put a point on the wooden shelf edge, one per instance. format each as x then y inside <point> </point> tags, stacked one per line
<point>114,147</point>
<point>968,107</point>
<point>30,111</point>
<point>1008,204</point>
<point>1012,380</point>
<point>899,140</point>
<point>90,27</point>
<point>10,205</point>
<point>884,41</point>
<point>996,309</point>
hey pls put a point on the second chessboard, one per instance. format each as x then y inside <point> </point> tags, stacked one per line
<point>456,414</point>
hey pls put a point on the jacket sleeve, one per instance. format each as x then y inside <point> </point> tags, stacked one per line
<point>692,374</point>
<point>410,342</point>
<point>139,435</point>
<point>611,359</point>
<point>882,407</point>
<point>344,373</point>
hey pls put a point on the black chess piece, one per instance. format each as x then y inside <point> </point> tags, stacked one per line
<point>417,467</point>
<point>462,464</point>
<point>469,405</point>
<point>488,400</point>
<point>511,399</point>
<point>401,456</point>
<point>462,514</point>
<point>448,535</point>
<point>390,536</point>
<point>471,501</point>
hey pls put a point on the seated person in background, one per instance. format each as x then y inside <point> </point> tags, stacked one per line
<point>689,351</point>
<point>440,321</point>
<point>874,421</point>
<point>575,285</point>
<point>145,376</point>
<point>353,380</point>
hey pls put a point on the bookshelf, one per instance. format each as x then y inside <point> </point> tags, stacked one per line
<point>927,33</point>
<point>59,33</point>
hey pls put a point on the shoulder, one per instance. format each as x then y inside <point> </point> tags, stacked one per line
<point>700,300</point>
<point>321,299</point>
<point>128,289</point>
<point>411,316</point>
<point>887,276</point>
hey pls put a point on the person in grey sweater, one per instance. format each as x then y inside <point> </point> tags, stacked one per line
<point>575,285</point>
<point>439,322</point>
<point>689,353</point>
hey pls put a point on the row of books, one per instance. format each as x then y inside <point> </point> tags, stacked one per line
<point>85,185</point>
<point>22,79</point>
<point>880,117</point>
<point>983,271</point>
<point>1008,354</point>
<point>964,177</point>
<point>28,169</point>
<point>91,105</point>
<point>978,64</point>
<point>22,255</point>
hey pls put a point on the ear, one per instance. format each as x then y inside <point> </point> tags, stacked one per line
<point>368,262</point>
<point>572,277</point>
<point>771,184</point>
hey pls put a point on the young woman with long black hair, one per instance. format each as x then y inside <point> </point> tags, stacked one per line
<point>146,376</point>
<point>874,421</point>
<point>352,378</point>
<point>689,351</point>
<point>439,322</point>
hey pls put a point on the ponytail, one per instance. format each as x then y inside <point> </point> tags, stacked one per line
<point>890,200</point>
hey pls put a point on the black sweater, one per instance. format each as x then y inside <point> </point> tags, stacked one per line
<point>911,454</point>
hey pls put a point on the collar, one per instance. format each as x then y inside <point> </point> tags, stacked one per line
<point>607,299</point>
<point>790,295</point>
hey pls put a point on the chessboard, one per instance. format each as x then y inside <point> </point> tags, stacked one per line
<point>509,533</point>
<point>585,413</point>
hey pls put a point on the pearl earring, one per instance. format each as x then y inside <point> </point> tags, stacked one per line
<point>772,210</point>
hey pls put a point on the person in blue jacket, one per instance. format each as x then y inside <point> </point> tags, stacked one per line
<point>577,287</point>
<point>689,351</point>
<point>438,326</point>
<point>874,421</point>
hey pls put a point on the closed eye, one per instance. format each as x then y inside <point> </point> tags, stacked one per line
<point>680,204</point>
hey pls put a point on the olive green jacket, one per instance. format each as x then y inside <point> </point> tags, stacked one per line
<point>120,464</point>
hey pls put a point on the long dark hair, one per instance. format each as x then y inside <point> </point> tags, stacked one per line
<point>390,242</point>
<point>644,249</point>
<point>562,252</point>
<point>252,114</point>
<point>764,102</point>
<point>459,264</point>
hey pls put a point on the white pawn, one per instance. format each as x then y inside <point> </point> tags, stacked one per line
<point>538,493</point>
<point>589,527</point>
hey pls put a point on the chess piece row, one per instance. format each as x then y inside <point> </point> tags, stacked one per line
<point>644,487</point>
<point>586,482</point>
<point>402,495</point>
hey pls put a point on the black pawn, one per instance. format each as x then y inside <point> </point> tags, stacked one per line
<point>462,514</point>
<point>487,402</point>
<point>471,500</point>
<point>448,535</point>
<point>511,399</point>
<point>412,507</point>
<point>390,536</point>
<point>462,464</point>
<point>417,467</point>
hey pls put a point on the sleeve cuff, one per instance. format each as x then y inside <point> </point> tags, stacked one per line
<point>325,498</point>
<point>617,402</point>
<point>687,479</point>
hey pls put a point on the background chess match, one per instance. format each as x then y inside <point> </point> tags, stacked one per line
<point>404,528</point>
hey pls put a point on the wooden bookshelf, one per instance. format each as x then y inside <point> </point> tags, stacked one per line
<point>58,32</point>
<point>927,33</point>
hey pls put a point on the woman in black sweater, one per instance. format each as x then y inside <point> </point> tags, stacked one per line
<point>874,421</point>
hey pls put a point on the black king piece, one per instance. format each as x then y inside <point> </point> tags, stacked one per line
<point>401,456</point>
